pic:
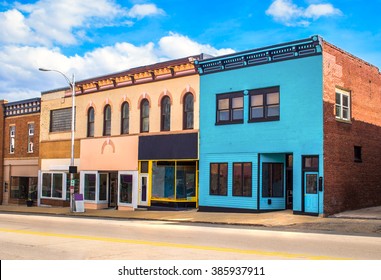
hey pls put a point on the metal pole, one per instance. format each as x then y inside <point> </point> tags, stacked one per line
<point>72,142</point>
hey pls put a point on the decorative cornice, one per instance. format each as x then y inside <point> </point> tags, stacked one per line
<point>23,107</point>
<point>292,50</point>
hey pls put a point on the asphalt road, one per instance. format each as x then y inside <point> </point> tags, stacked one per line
<point>62,238</point>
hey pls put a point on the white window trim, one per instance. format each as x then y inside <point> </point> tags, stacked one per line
<point>342,93</point>
<point>64,178</point>
<point>134,201</point>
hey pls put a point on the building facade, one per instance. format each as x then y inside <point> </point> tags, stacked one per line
<point>273,125</point>
<point>136,138</point>
<point>20,151</point>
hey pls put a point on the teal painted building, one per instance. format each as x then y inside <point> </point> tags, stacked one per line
<point>261,129</point>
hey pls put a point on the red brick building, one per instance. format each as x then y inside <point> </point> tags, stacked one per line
<point>352,131</point>
<point>21,128</point>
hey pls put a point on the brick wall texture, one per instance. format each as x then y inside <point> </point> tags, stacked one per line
<point>1,150</point>
<point>349,184</point>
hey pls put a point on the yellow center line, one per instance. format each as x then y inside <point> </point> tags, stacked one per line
<point>175,245</point>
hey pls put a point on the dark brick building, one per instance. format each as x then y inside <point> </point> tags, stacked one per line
<point>21,128</point>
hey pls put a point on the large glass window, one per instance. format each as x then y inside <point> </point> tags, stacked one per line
<point>90,122</point>
<point>343,102</point>
<point>242,178</point>
<point>188,111</point>
<point>90,186</point>
<point>185,179</point>
<point>53,185</point>
<point>144,116</point>
<point>125,118</point>
<point>24,187</point>
<point>165,114</point>
<point>125,188</point>
<point>264,104</point>
<point>272,180</point>
<point>230,108</point>
<point>107,121</point>
<point>218,179</point>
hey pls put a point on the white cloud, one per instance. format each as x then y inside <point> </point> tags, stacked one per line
<point>19,65</point>
<point>289,14</point>
<point>143,10</point>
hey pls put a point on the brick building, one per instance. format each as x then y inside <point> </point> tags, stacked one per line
<point>2,102</point>
<point>20,150</point>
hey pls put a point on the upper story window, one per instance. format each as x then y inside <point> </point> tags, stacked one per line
<point>125,122</point>
<point>188,110</point>
<point>60,120</point>
<point>30,137</point>
<point>230,108</point>
<point>264,104</point>
<point>107,121</point>
<point>343,105</point>
<point>144,116</point>
<point>90,122</point>
<point>12,136</point>
<point>165,114</point>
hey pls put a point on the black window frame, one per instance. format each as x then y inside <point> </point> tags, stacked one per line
<point>270,192</point>
<point>165,116</point>
<point>188,111</point>
<point>264,92</point>
<point>90,122</point>
<point>125,118</point>
<point>219,192</point>
<point>142,117</point>
<point>229,96</point>
<point>239,190</point>
<point>106,121</point>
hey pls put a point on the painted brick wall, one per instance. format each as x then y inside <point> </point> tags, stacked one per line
<point>21,139</point>
<point>349,184</point>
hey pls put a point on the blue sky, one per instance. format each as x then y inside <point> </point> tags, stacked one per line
<point>97,37</point>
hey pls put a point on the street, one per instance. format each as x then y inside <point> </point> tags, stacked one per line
<point>29,237</point>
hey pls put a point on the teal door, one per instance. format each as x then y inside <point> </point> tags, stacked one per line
<point>311,194</point>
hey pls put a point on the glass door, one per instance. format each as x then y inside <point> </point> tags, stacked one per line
<point>143,190</point>
<point>311,195</point>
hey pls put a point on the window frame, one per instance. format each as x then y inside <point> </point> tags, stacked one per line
<point>241,187</point>
<point>106,121</point>
<point>230,109</point>
<point>342,93</point>
<point>144,102</point>
<point>12,139</point>
<point>270,192</point>
<point>64,117</point>
<point>188,110</point>
<point>125,119</point>
<point>264,92</point>
<point>63,185</point>
<point>90,123</point>
<point>220,192</point>
<point>165,116</point>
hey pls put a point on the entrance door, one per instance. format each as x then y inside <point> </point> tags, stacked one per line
<point>113,190</point>
<point>311,194</point>
<point>143,190</point>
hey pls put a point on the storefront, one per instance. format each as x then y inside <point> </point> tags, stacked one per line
<point>168,170</point>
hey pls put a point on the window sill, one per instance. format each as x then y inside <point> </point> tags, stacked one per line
<point>229,122</point>
<point>263,120</point>
<point>343,121</point>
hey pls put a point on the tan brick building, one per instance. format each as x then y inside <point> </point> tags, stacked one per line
<point>20,151</point>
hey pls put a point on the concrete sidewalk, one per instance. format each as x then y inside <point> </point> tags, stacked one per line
<point>270,219</point>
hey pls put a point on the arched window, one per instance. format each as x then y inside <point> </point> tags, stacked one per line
<point>107,121</point>
<point>165,114</point>
<point>188,111</point>
<point>90,122</point>
<point>144,116</point>
<point>125,122</point>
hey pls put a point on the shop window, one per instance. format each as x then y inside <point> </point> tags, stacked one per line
<point>144,167</point>
<point>165,114</point>
<point>60,120</point>
<point>125,188</point>
<point>311,163</point>
<point>90,122</point>
<point>230,108</point>
<point>103,183</point>
<point>188,111</point>
<point>343,105</point>
<point>125,125</point>
<point>242,179</point>
<point>357,154</point>
<point>264,104</point>
<point>107,121</point>
<point>218,179</point>
<point>23,188</point>
<point>144,116</point>
<point>272,180</point>
<point>90,186</point>
<point>52,185</point>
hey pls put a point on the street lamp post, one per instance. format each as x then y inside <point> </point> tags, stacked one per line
<point>72,168</point>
